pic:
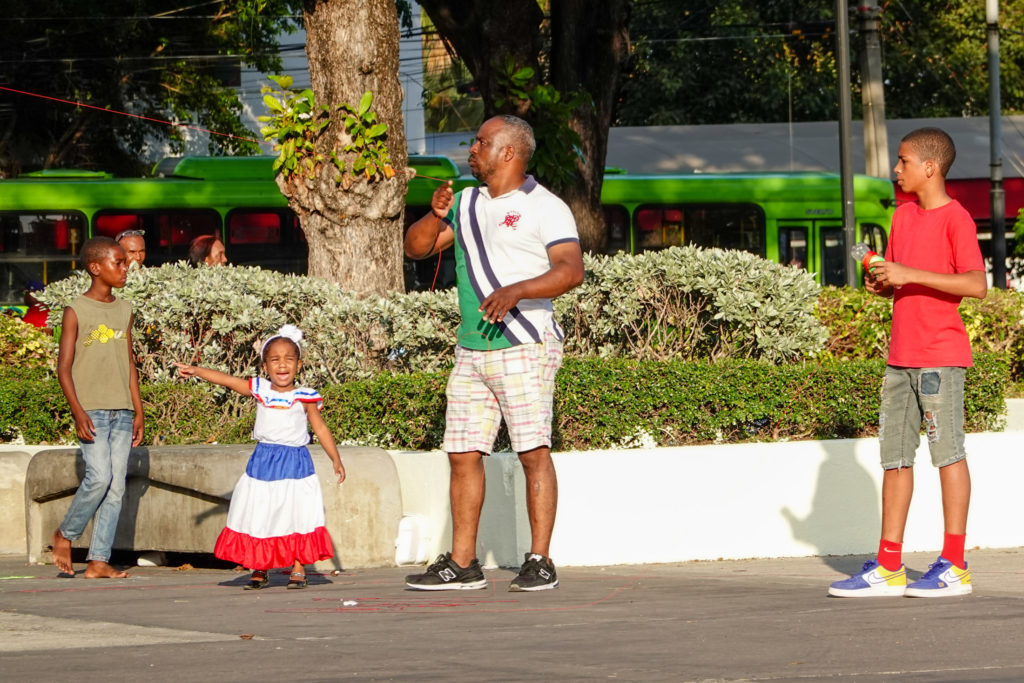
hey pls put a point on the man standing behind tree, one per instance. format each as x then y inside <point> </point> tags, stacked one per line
<point>516,248</point>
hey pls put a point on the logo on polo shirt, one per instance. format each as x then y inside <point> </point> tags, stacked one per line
<point>511,219</point>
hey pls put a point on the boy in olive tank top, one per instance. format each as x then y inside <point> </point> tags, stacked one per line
<point>96,370</point>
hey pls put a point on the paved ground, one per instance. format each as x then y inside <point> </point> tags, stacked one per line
<point>729,620</point>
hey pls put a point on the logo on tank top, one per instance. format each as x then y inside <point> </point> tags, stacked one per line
<point>102,334</point>
<point>511,220</point>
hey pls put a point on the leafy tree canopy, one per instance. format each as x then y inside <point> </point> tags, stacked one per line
<point>162,59</point>
<point>735,61</point>
<point>749,61</point>
<point>935,58</point>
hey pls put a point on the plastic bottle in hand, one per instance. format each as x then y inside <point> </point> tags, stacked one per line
<point>866,255</point>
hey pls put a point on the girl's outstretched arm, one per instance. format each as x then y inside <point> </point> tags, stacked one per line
<point>238,384</point>
<point>323,435</point>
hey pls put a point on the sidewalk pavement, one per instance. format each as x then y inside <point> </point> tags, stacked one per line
<point>727,620</point>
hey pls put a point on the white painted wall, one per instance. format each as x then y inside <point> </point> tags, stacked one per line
<point>805,498</point>
<point>709,502</point>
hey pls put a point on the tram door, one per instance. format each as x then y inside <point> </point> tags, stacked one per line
<point>818,246</point>
<point>832,253</point>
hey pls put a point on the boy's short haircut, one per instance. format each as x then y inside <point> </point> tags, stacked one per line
<point>933,144</point>
<point>95,249</point>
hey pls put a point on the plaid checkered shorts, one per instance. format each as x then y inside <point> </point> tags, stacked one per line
<point>516,383</point>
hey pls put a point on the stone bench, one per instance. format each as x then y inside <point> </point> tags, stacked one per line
<point>177,500</point>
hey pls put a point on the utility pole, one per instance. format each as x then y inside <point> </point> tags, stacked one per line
<point>995,136</point>
<point>876,139</point>
<point>845,154</point>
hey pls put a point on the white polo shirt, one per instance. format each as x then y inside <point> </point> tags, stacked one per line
<point>500,241</point>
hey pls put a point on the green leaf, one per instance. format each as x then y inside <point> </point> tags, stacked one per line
<point>524,74</point>
<point>365,102</point>
<point>283,81</point>
<point>273,104</point>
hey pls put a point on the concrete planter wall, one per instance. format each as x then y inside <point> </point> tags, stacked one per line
<point>177,500</point>
<point>615,507</point>
<point>709,502</point>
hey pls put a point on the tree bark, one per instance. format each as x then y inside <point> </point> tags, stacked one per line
<point>354,234</point>
<point>482,32</point>
<point>589,50</point>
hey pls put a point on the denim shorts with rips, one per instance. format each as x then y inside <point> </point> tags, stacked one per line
<point>910,396</point>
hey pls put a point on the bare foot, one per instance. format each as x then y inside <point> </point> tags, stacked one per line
<point>62,552</point>
<point>101,570</point>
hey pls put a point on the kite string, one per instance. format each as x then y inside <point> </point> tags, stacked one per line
<point>137,116</point>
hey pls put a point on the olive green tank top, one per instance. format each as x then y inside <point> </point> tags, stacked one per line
<point>101,370</point>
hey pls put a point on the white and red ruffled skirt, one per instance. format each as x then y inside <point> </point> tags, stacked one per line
<point>276,515</point>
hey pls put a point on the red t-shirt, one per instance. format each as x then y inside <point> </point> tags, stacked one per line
<point>927,331</point>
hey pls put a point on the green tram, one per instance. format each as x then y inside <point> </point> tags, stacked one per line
<point>793,218</point>
<point>789,218</point>
<point>46,216</point>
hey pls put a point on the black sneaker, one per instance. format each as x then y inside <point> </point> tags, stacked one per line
<point>445,575</point>
<point>537,574</point>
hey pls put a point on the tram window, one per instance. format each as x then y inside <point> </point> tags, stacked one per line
<point>41,233</point>
<point>616,221</point>
<point>254,227</point>
<point>833,256</point>
<point>874,235</point>
<point>793,247</point>
<point>270,238</point>
<point>179,228</point>
<point>111,224</point>
<point>725,226</point>
<point>164,229</point>
<point>37,247</point>
<point>660,227</point>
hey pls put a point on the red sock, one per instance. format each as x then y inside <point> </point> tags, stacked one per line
<point>890,554</point>
<point>953,548</point>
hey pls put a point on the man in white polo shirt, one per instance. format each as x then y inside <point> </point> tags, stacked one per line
<point>516,248</point>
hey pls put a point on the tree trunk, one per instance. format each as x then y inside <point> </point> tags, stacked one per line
<point>482,32</point>
<point>589,50</point>
<point>354,234</point>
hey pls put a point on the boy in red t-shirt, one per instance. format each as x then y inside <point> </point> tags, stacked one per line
<point>932,262</point>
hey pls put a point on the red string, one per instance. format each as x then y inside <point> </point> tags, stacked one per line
<point>137,116</point>
<point>170,123</point>
<point>437,270</point>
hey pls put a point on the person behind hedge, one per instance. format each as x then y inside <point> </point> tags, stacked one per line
<point>208,250</point>
<point>516,248</point>
<point>96,371</point>
<point>276,516</point>
<point>931,263</point>
<point>134,244</point>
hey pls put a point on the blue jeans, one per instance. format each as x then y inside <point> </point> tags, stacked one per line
<point>102,488</point>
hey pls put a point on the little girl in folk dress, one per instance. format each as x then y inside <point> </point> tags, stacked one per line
<point>276,515</point>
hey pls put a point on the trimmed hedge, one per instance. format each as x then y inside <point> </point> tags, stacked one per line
<point>681,303</point>
<point>660,351</point>
<point>32,407</point>
<point>599,403</point>
<point>858,324</point>
<point>671,404</point>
